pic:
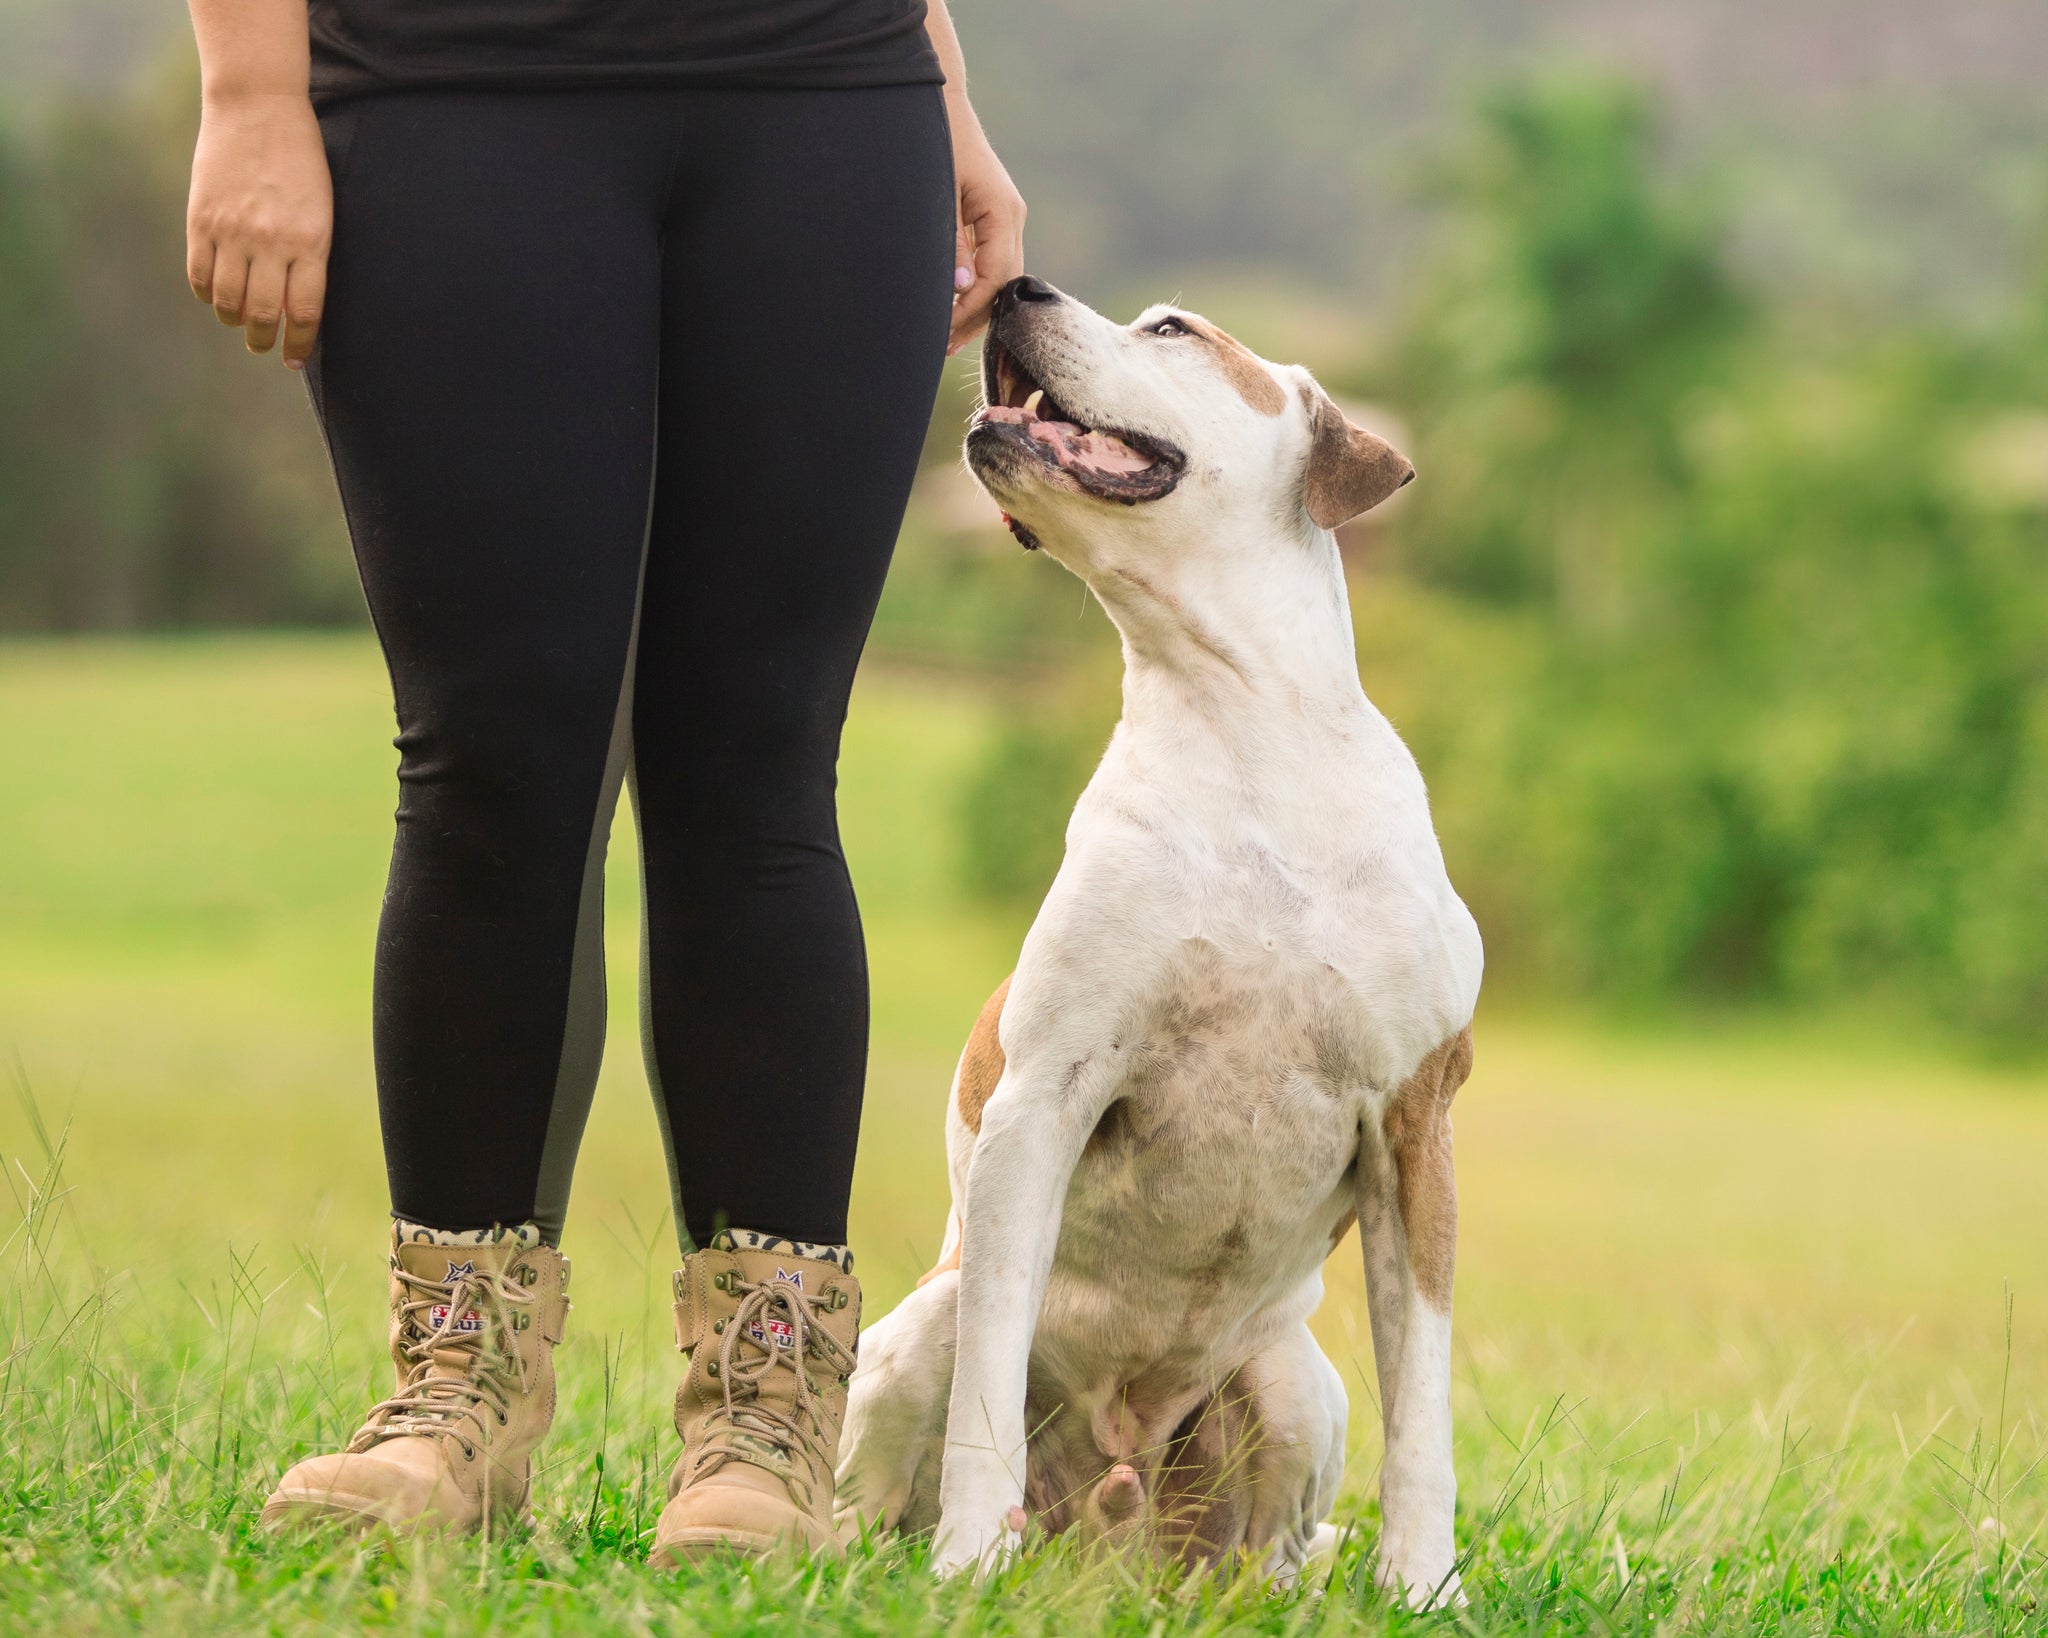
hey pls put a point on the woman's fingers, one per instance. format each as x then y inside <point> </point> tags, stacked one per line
<point>263,302</point>
<point>304,298</point>
<point>997,222</point>
<point>963,260</point>
<point>963,279</point>
<point>199,265</point>
<point>230,281</point>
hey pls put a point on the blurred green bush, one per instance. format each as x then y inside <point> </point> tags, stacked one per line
<point>1720,630</point>
<point>1014,809</point>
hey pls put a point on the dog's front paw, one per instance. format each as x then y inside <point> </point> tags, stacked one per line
<point>976,1545</point>
<point>1421,1589</point>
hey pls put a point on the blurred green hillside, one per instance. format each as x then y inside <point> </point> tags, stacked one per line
<point>1719,620</point>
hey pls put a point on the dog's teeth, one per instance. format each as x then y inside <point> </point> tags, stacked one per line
<point>1031,403</point>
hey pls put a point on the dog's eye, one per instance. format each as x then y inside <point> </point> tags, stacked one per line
<point>1168,327</point>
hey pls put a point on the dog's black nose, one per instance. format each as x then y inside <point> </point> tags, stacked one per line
<point>1024,289</point>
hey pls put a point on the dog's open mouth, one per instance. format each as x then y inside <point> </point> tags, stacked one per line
<point>1114,465</point>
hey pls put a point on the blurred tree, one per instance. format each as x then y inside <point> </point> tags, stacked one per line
<point>151,473</point>
<point>1575,302</point>
<point>31,291</point>
<point>1773,723</point>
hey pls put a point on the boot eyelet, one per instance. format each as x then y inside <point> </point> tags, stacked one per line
<point>719,1282</point>
<point>711,1369</point>
<point>718,1328</point>
<point>468,1451</point>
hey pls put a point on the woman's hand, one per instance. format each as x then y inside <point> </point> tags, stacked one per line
<point>990,248</point>
<point>260,219</point>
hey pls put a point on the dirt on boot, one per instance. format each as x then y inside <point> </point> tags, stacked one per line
<point>473,1333</point>
<point>771,1340</point>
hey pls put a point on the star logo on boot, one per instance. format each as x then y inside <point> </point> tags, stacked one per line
<point>457,1270</point>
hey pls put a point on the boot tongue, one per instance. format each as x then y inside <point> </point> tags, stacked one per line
<point>446,1264</point>
<point>825,1291</point>
<point>456,1317</point>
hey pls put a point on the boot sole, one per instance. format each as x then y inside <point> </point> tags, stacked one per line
<point>700,1546</point>
<point>295,1510</point>
<point>290,1512</point>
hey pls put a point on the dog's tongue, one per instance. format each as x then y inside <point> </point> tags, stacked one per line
<point>1098,451</point>
<point>1071,445</point>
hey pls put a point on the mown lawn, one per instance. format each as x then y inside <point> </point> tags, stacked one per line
<point>1753,1319</point>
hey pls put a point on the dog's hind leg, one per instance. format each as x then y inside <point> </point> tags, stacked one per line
<point>894,1439</point>
<point>1302,1412</point>
<point>1408,1226</point>
<point>1255,1468</point>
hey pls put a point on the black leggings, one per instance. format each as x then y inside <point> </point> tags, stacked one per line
<point>624,392</point>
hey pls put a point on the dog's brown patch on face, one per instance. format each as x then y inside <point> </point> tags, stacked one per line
<point>981,1065</point>
<point>1418,1129</point>
<point>1350,470</point>
<point>1241,367</point>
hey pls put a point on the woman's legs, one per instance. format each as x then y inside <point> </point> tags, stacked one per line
<point>806,293</point>
<point>515,279</point>
<point>486,380</point>
<point>805,299</point>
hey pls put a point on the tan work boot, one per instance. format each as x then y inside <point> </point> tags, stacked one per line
<point>473,1331</point>
<point>771,1338</point>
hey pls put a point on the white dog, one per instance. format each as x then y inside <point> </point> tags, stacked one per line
<point>1236,1025</point>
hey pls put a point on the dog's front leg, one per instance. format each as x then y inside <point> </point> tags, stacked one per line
<point>1032,1132</point>
<point>1408,1227</point>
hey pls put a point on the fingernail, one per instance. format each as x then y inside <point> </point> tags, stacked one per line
<point>962,277</point>
<point>952,349</point>
<point>295,363</point>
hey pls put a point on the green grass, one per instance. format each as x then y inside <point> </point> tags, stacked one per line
<point>1735,1351</point>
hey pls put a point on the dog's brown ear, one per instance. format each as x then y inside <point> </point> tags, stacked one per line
<point>1350,470</point>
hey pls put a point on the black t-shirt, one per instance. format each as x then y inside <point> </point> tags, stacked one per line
<point>381,45</point>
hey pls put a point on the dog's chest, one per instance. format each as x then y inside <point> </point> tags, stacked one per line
<point>1298,989</point>
<point>1235,1123</point>
<point>1212,1188</point>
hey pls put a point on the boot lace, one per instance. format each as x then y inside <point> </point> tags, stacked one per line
<point>465,1356</point>
<point>747,1428</point>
